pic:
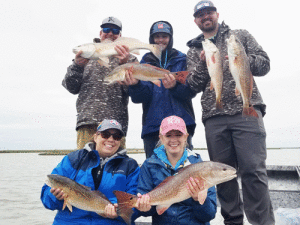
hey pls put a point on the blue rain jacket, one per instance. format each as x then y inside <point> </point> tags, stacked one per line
<point>157,168</point>
<point>119,173</point>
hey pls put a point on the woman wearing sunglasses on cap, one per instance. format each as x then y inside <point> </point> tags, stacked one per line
<point>102,165</point>
<point>163,101</point>
<point>167,160</point>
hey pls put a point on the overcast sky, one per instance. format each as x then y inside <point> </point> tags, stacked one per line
<point>37,38</point>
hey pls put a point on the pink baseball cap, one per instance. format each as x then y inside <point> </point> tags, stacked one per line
<point>172,123</point>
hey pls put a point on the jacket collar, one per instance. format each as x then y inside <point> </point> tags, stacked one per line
<point>160,154</point>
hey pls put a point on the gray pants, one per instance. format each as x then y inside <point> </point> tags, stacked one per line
<point>241,142</point>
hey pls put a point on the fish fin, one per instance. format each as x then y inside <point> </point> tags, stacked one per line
<point>136,52</point>
<point>219,104</point>
<point>249,111</point>
<point>85,187</point>
<point>131,69</point>
<point>66,203</point>
<point>103,61</point>
<point>211,86</point>
<point>126,202</point>
<point>237,92</point>
<point>157,82</point>
<point>235,61</point>
<point>156,68</point>
<point>160,209</point>
<point>202,196</point>
<point>213,58</point>
<point>156,50</point>
<point>181,76</point>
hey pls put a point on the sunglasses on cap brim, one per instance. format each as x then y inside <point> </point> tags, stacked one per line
<point>113,30</point>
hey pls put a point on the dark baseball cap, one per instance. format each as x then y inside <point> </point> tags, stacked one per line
<point>161,27</point>
<point>113,21</point>
<point>110,124</point>
<point>204,5</point>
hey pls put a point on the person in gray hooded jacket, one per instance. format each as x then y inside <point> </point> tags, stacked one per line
<point>232,138</point>
<point>98,100</point>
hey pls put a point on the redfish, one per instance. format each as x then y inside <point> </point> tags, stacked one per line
<point>239,66</point>
<point>143,72</point>
<point>215,69</point>
<point>101,51</point>
<point>79,195</point>
<point>173,189</point>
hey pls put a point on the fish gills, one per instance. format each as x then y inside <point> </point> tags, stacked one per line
<point>240,69</point>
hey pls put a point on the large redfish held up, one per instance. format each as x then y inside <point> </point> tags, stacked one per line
<point>239,66</point>
<point>80,196</point>
<point>143,72</point>
<point>101,51</point>
<point>173,189</point>
<point>215,69</point>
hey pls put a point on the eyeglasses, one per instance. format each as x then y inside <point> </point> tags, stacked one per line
<point>113,30</point>
<point>106,134</point>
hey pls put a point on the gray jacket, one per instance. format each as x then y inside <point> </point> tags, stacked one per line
<point>97,100</point>
<point>199,79</point>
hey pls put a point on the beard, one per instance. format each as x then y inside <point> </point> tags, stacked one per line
<point>212,27</point>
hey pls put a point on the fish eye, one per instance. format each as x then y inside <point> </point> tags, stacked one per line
<point>224,169</point>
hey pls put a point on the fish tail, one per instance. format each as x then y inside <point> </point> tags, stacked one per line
<point>249,111</point>
<point>156,50</point>
<point>181,76</point>
<point>125,204</point>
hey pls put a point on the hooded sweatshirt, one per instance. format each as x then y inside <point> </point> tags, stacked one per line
<point>159,102</point>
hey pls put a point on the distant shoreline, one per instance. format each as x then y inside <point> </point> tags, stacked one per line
<point>129,150</point>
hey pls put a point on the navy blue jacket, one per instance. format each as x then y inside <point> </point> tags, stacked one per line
<point>159,102</point>
<point>120,173</point>
<point>154,170</point>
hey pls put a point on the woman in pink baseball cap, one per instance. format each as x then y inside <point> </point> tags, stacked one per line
<point>168,159</point>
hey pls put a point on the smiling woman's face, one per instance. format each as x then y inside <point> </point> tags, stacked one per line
<point>174,141</point>
<point>107,146</point>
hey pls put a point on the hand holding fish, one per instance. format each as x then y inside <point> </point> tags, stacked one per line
<point>123,53</point>
<point>202,56</point>
<point>169,81</point>
<point>58,193</point>
<point>110,211</point>
<point>143,202</point>
<point>80,61</point>
<point>195,189</point>
<point>129,79</point>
